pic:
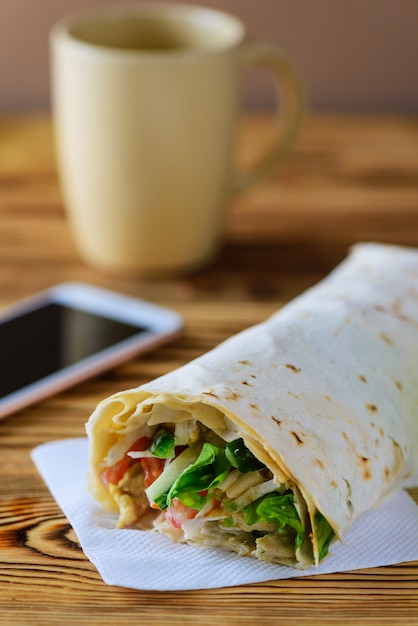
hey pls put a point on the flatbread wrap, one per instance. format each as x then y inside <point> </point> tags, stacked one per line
<point>273,443</point>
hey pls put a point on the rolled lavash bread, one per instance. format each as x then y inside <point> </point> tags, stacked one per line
<point>273,443</point>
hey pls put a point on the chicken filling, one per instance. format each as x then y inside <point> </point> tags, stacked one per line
<point>187,482</point>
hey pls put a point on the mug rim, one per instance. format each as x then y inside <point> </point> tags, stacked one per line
<point>61,30</point>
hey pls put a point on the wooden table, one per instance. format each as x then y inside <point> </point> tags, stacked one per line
<point>349,179</point>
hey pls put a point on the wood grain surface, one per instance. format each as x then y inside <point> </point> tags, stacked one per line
<point>349,179</point>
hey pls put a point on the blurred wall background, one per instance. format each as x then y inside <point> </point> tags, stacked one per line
<point>354,55</point>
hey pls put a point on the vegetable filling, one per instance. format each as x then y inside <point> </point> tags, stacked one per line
<point>205,490</point>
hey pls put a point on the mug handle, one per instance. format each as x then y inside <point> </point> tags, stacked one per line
<point>292,109</point>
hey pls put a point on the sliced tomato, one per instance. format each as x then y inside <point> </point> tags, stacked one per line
<point>140,445</point>
<point>112,475</point>
<point>152,467</point>
<point>177,513</point>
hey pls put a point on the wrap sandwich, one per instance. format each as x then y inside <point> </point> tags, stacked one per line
<point>273,443</point>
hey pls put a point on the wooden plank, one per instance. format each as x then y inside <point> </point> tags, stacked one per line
<point>349,178</point>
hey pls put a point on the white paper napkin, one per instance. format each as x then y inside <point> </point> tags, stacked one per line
<point>149,561</point>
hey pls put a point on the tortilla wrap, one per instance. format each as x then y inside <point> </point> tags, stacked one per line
<point>323,395</point>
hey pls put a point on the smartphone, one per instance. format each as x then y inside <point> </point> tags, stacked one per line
<point>70,332</point>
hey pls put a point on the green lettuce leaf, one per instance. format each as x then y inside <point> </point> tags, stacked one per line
<point>240,457</point>
<point>163,444</point>
<point>210,469</point>
<point>274,508</point>
<point>324,534</point>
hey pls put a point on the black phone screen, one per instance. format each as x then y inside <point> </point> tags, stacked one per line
<point>51,338</point>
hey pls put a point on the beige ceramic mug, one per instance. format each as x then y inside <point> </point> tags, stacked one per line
<point>145,100</point>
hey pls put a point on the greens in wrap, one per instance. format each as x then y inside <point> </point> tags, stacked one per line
<point>276,441</point>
